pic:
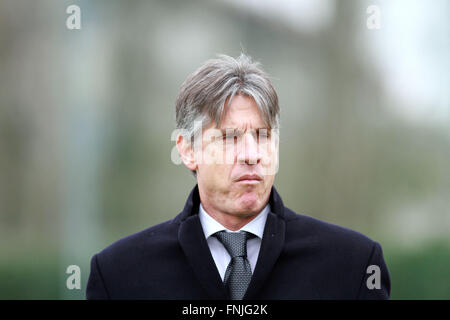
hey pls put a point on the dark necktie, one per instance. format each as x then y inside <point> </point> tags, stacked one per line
<point>238,273</point>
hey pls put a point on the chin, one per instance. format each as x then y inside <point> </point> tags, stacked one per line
<point>246,215</point>
<point>248,203</point>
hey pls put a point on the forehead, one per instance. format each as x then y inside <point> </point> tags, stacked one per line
<point>242,112</point>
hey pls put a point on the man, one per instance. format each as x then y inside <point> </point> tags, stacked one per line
<point>235,239</point>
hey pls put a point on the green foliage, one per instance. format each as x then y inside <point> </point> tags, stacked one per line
<point>421,273</point>
<point>30,278</point>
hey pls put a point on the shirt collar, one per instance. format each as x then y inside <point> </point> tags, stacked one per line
<point>211,226</point>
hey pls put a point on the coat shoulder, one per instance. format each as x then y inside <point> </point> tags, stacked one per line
<point>325,233</point>
<point>147,242</point>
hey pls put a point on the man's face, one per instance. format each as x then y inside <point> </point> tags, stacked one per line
<point>237,162</point>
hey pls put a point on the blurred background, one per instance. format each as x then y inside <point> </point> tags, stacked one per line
<point>86,118</point>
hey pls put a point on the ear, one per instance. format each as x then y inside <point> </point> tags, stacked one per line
<point>186,153</point>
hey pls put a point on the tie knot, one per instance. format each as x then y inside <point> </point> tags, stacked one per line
<point>234,242</point>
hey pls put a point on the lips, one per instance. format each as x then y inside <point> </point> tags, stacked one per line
<point>250,177</point>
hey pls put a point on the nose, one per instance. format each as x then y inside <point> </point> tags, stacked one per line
<point>248,151</point>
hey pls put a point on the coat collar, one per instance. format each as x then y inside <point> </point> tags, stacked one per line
<point>195,247</point>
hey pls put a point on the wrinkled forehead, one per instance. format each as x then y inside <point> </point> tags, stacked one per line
<point>242,112</point>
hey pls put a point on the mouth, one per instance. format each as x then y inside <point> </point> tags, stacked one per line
<point>250,179</point>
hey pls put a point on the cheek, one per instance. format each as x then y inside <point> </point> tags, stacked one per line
<point>218,153</point>
<point>269,181</point>
<point>223,174</point>
<point>268,157</point>
<point>216,175</point>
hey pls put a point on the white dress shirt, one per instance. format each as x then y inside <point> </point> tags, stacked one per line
<point>219,253</point>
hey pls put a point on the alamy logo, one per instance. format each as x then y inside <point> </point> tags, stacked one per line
<point>373,281</point>
<point>74,20</point>
<point>226,146</point>
<point>74,280</point>
<point>373,21</point>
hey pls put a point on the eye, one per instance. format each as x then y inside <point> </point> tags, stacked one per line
<point>263,134</point>
<point>228,137</point>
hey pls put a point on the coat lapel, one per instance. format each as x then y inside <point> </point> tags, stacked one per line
<point>196,250</point>
<point>271,245</point>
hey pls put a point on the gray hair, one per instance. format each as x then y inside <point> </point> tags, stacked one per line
<point>203,94</point>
